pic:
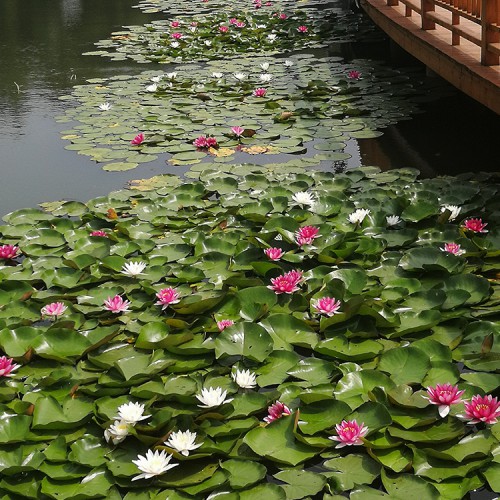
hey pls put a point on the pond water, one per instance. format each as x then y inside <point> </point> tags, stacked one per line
<point>41,43</point>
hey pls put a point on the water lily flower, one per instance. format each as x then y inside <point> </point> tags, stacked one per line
<point>166,297</point>
<point>105,106</point>
<point>239,24</point>
<point>288,63</point>
<point>260,92</point>
<point>116,304</point>
<point>137,140</point>
<point>218,75</point>
<point>224,323</point>
<point>208,43</point>
<point>272,37</point>
<point>156,79</point>
<point>354,75</point>
<point>192,29</point>
<point>475,225</point>
<point>183,442</point>
<point>223,29</point>
<point>286,283</point>
<point>7,366</point>
<point>454,209</point>
<point>175,45</point>
<point>358,216</point>
<point>265,77</point>
<point>153,464</point>
<point>171,76</point>
<point>326,305</point>
<point>175,24</point>
<point>152,88</point>
<point>117,432</point>
<point>268,4</point>
<point>274,253</point>
<point>233,20</point>
<point>444,395</point>
<point>453,248</point>
<point>212,397</point>
<point>194,23</point>
<point>239,76</point>
<point>264,66</point>
<point>306,235</point>
<point>393,220</point>
<point>131,413</point>
<point>238,131</point>
<point>304,198</point>
<point>53,309</point>
<point>302,29</point>
<point>100,233</point>
<point>482,409</point>
<point>244,378</point>
<point>205,142</point>
<point>8,251</point>
<point>282,16</point>
<point>133,268</point>
<point>275,411</point>
<point>349,433</point>
<point>176,35</point>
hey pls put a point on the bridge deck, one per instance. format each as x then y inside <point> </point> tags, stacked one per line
<point>455,57</point>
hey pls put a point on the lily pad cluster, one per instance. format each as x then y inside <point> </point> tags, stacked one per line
<point>294,114</point>
<point>411,315</point>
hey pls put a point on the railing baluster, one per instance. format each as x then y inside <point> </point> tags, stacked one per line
<point>427,6</point>
<point>490,14</point>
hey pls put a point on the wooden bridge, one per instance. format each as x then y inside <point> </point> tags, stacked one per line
<point>457,39</point>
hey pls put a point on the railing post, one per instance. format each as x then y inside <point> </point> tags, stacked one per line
<point>428,6</point>
<point>455,20</point>
<point>392,3</point>
<point>490,14</point>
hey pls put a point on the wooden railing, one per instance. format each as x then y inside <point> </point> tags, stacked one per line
<point>477,21</point>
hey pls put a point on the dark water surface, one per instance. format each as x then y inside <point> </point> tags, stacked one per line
<point>41,42</point>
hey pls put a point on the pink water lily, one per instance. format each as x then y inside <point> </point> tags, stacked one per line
<point>8,251</point>
<point>353,75</point>
<point>238,131</point>
<point>260,92</point>
<point>167,296</point>
<point>175,24</point>
<point>233,20</point>
<point>116,304</point>
<point>7,366</point>
<point>475,225</point>
<point>349,433</point>
<point>275,411</point>
<point>240,24</point>
<point>326,305</point>
<point>444,395</point>
<point>225,323</point>
<point>453,248</point>
<point>103,234</point>
<point>205,142</point>
<point>482,409</point>
<point>137,140</point>
<point>273,253</point>
<point>223,29</point>
<point>176,35</point>
<point>302,29</point>
<point>306,235</point>
<point>286,283</point>
<point>54,309</point>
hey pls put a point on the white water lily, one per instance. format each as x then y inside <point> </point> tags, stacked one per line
<point>152,88</point>
<point>116,432</point>
<point>156,79</point>
<point>217,75</point>
<point>358,216</point>
<point>183,442</point>
<point>454,209</point>
<point>265,77</point>
<point>244,378</point>
<point>192,29</point>
<point>264,66</point>
<point>212,397</point>
<point>133,268</point>
<point>288,63</point>
<point>304,198</point>
<point>272,37</point>
<point>153,464</point>
<point>131,413</point>
<point>174,45</point>
<point>208,43</point>
<point>105,106</point>
<point>171,76</point>
<point>393,220</point>
<point>239,76</point>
